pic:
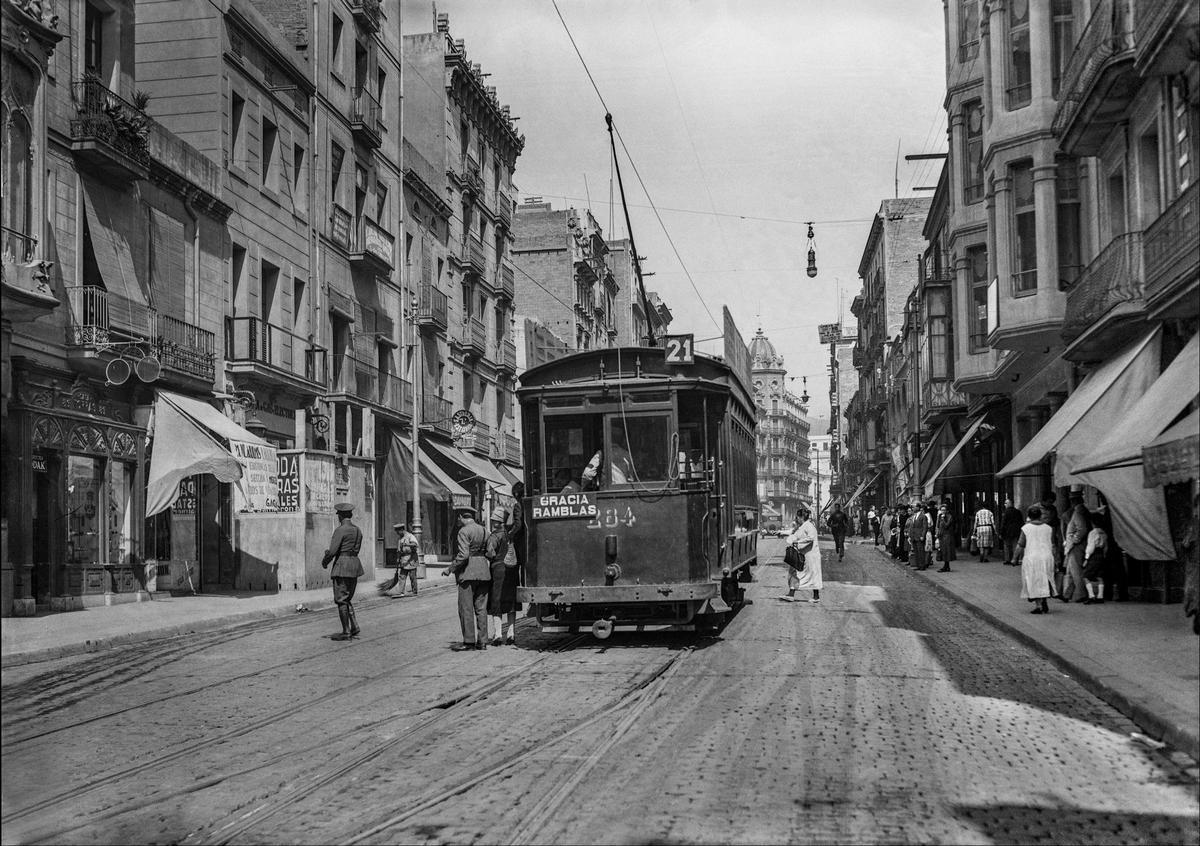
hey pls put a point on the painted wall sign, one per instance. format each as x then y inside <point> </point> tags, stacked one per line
<point>289,482</point>
<point>318,485</point>
<point>258,489</point>
<point>563,506</point>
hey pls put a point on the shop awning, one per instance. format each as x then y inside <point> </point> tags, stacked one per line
<point>1170,394</point>
<point>862,487</point>
<point>1090,411</point>
<point>769,512</point>
<point>930,487</point>
<point>1174,456</point>
<point>513,476</point>
<point>190,437</point>
<point>473,466</point>
<point>435,483</point>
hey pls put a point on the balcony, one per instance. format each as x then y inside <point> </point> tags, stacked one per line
<point>1162,35</point>
<point>471,178</point>
<point>1099,82</point>
<point>373,248</point>
<point>473,255</point>
<point>474,337</point>
<point>1171,249</point>
<point>432,308</point>
<point>366,117</point>
<point>366,382</point>
<point>858,358</point>
<point>938,398</point>
<point>436,413</point>
<point>339,227</point>
<point>367,13</point>
<point>478,440</point>
<point>509,448</point>
<point>109,133</point>
<point>186,349</point>
<point>1109,293</point>
<point>507,358</point>
<point>508,282</point>
<point>271,353</point>
<point>98,322</point>
<point>503,210</point>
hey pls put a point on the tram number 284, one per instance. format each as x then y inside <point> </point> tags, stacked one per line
<point>679,349</point>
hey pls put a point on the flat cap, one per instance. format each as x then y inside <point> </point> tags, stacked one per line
<point>465,509</point>
<point>399,525</point>
<point>344,506</point>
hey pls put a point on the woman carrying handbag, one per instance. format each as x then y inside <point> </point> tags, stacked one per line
<point>803,540</point>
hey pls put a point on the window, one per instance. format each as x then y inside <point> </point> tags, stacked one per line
<point>977,317</point>
<point>1114,205</point>
<point>237,140</point>
<point>380,91</point>
<point>337,156</point>
<point>237,276</point>
<point>270,137</point>
<point>299,307</point>
<point>1068,222</point>
<point>1062,40</point>
<point>269,296</point>
<point>16,176</point>
<point>1019,59</point>
<point>571,443</point>
<point>335,47</point>
<point>381,204</point>
<point>1149,176</point>
<point>468,302</point>
<point>638,449</point>
<point>968,30</point>
<point>299,194</point>
<point>938,364</point>
<point>1024,228</point>
<point>1183,130</point>
<point>464,139</point>
<point>93,40</point>
<point>973,159</point>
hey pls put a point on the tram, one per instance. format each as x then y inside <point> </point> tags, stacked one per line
<point>641,489</point>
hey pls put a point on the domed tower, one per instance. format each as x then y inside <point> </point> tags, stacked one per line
<point>766,369</point>
<point>782,436</point>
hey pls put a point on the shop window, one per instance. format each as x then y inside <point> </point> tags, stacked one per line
<point>84,487</point>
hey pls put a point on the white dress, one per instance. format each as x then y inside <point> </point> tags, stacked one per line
<point>1037,561</point>
<point>810,577</point>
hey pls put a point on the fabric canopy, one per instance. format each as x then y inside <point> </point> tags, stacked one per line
<point>187,442</point>
<point>1174,456</point>
<point>862,487</point>
<point>513,476</point>
<point>397,480</point>
<point>931,483</point>
<point>475,467</point>
<point>1170,394</point>
<point>1094,398</point>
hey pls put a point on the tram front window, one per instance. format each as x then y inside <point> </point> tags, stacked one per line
<point>638,449</point>
<point>572,442</point>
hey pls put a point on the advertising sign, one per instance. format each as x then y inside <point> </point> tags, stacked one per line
<point>259,486</point>
<point>289,482</point>
<point>318,485</point>
<point>186,502</point>
<point>563,506</point>
<point>829,333</point>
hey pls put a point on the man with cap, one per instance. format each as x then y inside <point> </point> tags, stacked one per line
<point>343,554</point>
<point>474,577</point>
<point>406,561</point>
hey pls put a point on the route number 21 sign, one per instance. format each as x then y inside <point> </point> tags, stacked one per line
<point>680,349</point>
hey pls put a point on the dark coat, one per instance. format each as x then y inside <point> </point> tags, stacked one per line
<point>343,551</point>
<point>1010,524</point>
<point>472,541</point>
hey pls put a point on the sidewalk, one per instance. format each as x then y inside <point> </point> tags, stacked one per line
<point>1141,658</point>
<point>26,640</point>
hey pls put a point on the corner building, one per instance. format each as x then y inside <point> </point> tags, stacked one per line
<point>783,427</point>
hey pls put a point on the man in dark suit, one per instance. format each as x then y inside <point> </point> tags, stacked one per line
<point>474,577</point>
<point>343,554</point>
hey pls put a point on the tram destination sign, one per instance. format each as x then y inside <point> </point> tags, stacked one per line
<point>563,506</point>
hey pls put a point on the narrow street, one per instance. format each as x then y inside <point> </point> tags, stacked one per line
<point>886,713</point>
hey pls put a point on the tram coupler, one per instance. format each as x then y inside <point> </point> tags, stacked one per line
<point>602,629</point>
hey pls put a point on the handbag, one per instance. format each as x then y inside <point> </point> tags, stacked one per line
<point>793,558</point>
<point>477,570</point>
<point>974,546</point>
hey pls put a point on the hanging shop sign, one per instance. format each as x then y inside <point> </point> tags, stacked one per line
<point>829,333</point>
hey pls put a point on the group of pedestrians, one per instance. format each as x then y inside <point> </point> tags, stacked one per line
<point>488,566</point>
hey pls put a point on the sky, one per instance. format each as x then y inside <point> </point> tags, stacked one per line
<point>744,120</point>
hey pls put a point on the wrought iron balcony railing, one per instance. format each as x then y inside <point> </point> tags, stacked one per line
<point>938,395</point>
<point>1108,37</point>
<point>186,348</point>
<point>367,13</point>
<point>253,340</point>
<point>473,254</point>
<point>508,281</point>
<point>1114,276</point>
<point>507,358</point>
<point>472,176</point>
<point>432,307</point>
<point>436,412</point>
<point>474,336</point>
<point>366,118</point>
<point>373,244</point>
<point>1172,243</point>
<point>370,384</point>
<point>504,209</point>
<point>478,440</point>
<point>511,449</point>
<point>16,245</point>
<point>104,116</point>
<point>98,320</point>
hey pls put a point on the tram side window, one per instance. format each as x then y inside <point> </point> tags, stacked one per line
<point>639,449</point>
<point>572,442</point>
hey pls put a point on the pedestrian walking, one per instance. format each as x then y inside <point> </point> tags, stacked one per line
<point>474,577</point>
<point>916,528</point>
<point>885,528</point>
<point>1074,544</point>
<point>1050,518</point>
<point>502,597</point>
<point>516,529</point>
<point>984,530</point>
<point>946,540</point>
<point>342,553</point>
<point>1095,554</point>
<point>1011,522</point>
<point>1037,555</point>
<point>876,524</point>
<point>406,562</point>
<point>901,530</point>
<point>839,523</point>
<point>804,539</point>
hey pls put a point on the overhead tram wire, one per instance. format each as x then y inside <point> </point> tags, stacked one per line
<point>613,131</point>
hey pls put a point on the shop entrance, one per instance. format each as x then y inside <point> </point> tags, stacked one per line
<point>215,525</point>
<point>46,519</point>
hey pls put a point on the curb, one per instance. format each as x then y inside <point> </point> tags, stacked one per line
<point>100,644</point>
<point>1177,734</point>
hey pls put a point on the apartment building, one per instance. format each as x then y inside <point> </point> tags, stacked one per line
<point>782,435</point>
<point>113,240</point>
<point>630,316</point>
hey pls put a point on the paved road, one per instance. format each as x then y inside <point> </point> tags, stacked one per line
<point>886,713</point>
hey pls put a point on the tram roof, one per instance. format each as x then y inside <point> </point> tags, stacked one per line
<point>636,367</point>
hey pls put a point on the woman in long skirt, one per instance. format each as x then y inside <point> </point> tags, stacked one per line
<point>502,598</point>
<point>804,539</point>
<point>1037,555</point>
<point>946,539</point>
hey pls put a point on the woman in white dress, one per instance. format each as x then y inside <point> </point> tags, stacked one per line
<point>804,539</point>
<point>1037,554</point>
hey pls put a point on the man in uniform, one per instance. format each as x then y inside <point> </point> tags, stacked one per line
<point>343,553</point>
<point>474,576</point>
<point>406,561</point>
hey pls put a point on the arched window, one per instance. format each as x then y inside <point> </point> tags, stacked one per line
<point>17,173</point>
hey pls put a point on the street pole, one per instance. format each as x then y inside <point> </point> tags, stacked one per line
<point>416,420</point>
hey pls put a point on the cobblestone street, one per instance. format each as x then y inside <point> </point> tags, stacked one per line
<point>885,713</point>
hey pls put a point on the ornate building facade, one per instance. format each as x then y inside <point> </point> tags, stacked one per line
<point>783,448</point>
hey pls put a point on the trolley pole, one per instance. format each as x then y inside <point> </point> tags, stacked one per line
<point>418,399</point>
